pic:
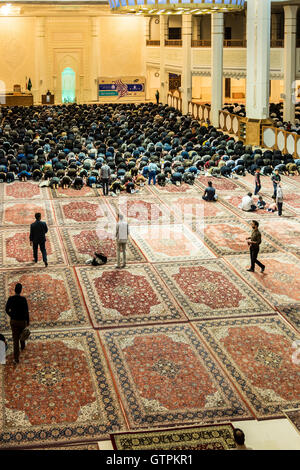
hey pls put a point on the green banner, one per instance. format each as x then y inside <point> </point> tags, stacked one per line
<point>108,93</point>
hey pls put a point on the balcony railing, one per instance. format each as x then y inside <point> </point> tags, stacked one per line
<point>235,43</point>
<point>277,42</point>
<point>201,42</point>
<point>151,42</point>
<point>207,43</point>
<point>173,42</point>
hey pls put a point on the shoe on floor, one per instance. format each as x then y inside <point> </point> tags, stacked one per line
<point>262,269</point>
<point>46,264</point>
<point>250,270</point>
<point>117,267</point>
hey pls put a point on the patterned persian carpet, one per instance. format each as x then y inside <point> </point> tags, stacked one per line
<point>87,446</point>
<point>258,354</point>
<point>61,391</point>
<point>127,296</point>
<point>166,375</point>
<point>219,437</point>
<point>183,337</point>
<point>53,297</point>
<point>209,288</point>
<point>228,237</point>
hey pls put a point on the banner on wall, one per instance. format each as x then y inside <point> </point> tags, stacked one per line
<point>121,88</point>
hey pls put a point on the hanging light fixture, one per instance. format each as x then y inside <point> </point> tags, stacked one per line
<point>169,7</point>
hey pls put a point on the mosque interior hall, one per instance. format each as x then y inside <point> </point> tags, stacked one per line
<point>150,225</point>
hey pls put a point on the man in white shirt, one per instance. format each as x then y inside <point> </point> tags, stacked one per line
<point>247,203</point>
<point>122,232</point>
<point>2,349</point>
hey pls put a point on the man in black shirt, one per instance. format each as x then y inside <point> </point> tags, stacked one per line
<point>209,193</point>
<point>37,238</point>
<point>17,309</point>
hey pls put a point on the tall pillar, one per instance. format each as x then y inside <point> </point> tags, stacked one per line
<point>258,58</point>
<point>217,40</point>
<point>95,58</point>
<point>187,64</point>
<point>39,81</point>
<point>290,30</point>
<point>163,26</point>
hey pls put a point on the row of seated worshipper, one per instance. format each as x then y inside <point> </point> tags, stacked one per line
<point>67,145</point>
<point>276,114</point>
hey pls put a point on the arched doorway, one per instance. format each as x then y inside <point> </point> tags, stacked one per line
<point>68,85</point>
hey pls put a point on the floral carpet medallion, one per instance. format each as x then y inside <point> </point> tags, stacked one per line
<point>192,208</point>
<point>125,297</point>
<point>15,249</point>
<point>228,237</point>
<point>220,184</point>
<point>81,212</point>
<point>166,376</point>
<point>285,233</point>
<point>209,289</point>
<point>22,213</point>
<point>258,354</point>
<point>218,437</point>
<point>173,188</point>
<point>232,201</point>
<point>53,297</point>
<point>81,244</point>
<point>60,392</point>
<point>86,191</point>
<point>169,242</point>
<point>142,211</point>
<point>280,283</point>
<point>294,417</point>
<point>25,190</point>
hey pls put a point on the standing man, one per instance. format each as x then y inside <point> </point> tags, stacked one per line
<point>276,180</point>
<point>257,181</point>
<point>122,232</point>
<point>152,167</point>
<point>37,238</point>
<point>279,199</point>
<point>254,241</point>
<point>104,177</point>
<point>157,96</point>
<point>17,309</point>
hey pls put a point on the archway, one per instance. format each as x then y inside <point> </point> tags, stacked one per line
<point>68,85</point>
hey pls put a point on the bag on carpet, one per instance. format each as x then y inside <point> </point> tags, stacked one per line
<point>25,334</point>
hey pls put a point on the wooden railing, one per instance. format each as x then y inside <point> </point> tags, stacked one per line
<point>232,124</point>
<point>235,43</point>
<point>201,112</point>
<point>173,42</point>
<point>151,42</point>
<point>201,43</point>
<point>174,101</point>
<point>277,43</point>
<point>279,139</point>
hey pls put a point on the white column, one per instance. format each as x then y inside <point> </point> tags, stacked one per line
<point>187,65</point>
<point>258,58</point>
<point>217,39</point>
<point>163,25</point>
<point>95,58</point>
<point>290,30</point>
<point>39,81</point>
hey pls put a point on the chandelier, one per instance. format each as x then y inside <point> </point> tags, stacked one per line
<point>174,7</point>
